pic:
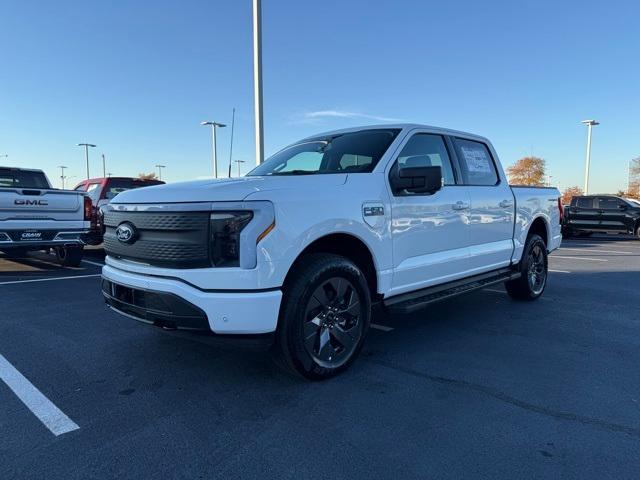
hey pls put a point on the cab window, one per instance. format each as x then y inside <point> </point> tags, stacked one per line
<point>427,150</point>
<point>609,203</point>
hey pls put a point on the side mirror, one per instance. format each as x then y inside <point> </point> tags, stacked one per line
<point>622,207</point>
<point>417,179</point>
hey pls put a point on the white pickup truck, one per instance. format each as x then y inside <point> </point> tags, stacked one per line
<point>401,215</point>
<point>34,216</point>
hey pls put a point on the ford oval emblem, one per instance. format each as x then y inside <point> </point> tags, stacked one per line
<point>126,233</point>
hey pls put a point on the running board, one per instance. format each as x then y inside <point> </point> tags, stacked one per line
<point>409,302</point>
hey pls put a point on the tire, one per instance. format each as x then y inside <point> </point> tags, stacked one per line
<point>69,256</point>
<point>638,232</point>
<point>16,252</point>
<point>533,269</point>
<point>324,317</point>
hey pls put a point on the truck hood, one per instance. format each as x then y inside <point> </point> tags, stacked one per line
<point>225,189</point>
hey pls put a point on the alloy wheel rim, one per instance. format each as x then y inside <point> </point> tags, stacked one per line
<point>332,324</point>
<point>537,270</point>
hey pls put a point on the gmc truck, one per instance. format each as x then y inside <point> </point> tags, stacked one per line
<point>34,216</point>
<point>306,243</point>
<point>589,214</point>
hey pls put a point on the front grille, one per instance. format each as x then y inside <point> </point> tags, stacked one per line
<point>164,239</point>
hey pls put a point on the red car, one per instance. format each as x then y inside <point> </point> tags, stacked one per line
<point>102,191</point>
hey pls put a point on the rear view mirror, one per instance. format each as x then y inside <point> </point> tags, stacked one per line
<point>426,180</point>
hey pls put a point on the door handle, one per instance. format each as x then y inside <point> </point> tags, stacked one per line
<point>506,204</point>
<point>460,205</point>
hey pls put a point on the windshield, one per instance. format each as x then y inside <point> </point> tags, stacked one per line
<point>633,202</point>
<point>119,185</point>
<point>12,177</point>
<point>356,152</point>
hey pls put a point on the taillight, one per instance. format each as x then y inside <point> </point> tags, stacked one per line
<point>88,208</point>
<point>561,210</point>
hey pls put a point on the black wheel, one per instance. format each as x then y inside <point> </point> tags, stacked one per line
<point>16,252</point>
<point>638,232</point>
<point>324,317</point>
<point>69,256</point>
<point>534,268</point>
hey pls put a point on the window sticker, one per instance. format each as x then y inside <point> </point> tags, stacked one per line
<point>476,159</point>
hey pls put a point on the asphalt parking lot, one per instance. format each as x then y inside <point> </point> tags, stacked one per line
<point>475,387</point>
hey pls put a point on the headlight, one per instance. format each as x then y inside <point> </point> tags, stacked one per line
<point>224,242</point>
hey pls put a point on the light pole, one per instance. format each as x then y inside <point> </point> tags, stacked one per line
<point>86,153</point>
<point>4,155</point>
<point>160,167</point>
<point>239,162</point>
<point>257,78</point>
<point>104,167</point>
<point>62,177</point>
<point>590,124</point>
<point>214,148</point>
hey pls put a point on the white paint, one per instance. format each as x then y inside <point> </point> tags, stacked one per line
<point>13,282</point>
<point>494,290</point>
<point>595,251</point>
<point>559,271</point>
<point>93,263</point>
<point>50,415</point>
<point>380,327</point>
<point>581,258</point>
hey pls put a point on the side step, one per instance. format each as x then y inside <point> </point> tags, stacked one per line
<point>412,301</point>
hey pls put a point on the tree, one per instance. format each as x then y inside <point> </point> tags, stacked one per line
<point>528,171</point>
<point>148,176</point>
<point>633,189</point>
<point>569,193</point>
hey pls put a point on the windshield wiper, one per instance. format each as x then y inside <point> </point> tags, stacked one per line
<point>296,172</point>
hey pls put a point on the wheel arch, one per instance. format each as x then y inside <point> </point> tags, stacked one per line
<point>540,226</point>
<point>349,246</point>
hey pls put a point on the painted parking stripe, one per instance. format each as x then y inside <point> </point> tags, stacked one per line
<point>380,327</point>
<point>51,416</point>
<point>13,282</point>
<point>596,251</point>
<point>580,258</point>
<point>559,271</point>
<point>494,290</point>
<point>97,264</point>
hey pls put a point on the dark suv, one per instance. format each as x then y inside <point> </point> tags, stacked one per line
<point>601,213</point>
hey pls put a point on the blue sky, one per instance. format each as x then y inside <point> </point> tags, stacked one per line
<point>136,78</point>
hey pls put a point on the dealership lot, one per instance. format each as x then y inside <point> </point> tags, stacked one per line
<point>477,387</point>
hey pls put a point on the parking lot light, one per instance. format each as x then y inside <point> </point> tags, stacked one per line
<point>589,123</point>
<point>214,125</point>
<point>86,153</point>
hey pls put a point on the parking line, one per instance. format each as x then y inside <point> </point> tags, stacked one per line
<point>13,282</point>
<point>51,416</point>
<point>596,251</point>
<point>559,271</point>
<point>380,327</point>
<point>580,258</point>
<point>93,263</point>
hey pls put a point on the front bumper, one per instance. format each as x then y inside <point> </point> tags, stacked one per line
<point>171,303</point>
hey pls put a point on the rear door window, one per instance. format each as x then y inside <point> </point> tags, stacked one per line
<point>476,162</point>
<point>584,202</point>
